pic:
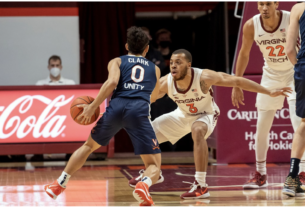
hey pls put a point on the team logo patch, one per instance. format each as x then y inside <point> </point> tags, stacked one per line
<point>93,129</point>
<point>283,31</point>
<point>196,94</point>
<point>156,144</point>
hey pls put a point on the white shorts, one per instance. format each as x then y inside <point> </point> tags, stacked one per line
<point>176,124</point>
<point>272,79</point>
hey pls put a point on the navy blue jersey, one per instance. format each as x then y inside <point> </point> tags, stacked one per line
<point>138,78</point>
<point>301,54</point>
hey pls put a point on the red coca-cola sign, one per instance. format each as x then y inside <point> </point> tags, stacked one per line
<point>41,116</point>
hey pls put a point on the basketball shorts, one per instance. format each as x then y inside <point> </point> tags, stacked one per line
<point>133,116</point>
<point>299,78</point>
<point>176,124</point>
<point>272,79</point>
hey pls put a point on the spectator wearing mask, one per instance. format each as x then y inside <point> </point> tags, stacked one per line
<point>163,40</point>
<point>153,54</point>
<point>55,77</point>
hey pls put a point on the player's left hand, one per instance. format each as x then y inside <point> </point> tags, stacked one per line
<point>280,92</point>
<point>88,112</point>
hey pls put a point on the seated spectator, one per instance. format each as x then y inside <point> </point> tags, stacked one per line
<point>153,54</point>
<point>55,77</point>
<point>163,40</point>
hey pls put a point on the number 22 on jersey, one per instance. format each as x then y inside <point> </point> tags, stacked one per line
<point>280,52</point>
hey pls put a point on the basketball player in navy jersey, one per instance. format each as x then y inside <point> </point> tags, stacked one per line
<point>135,82</point>
<point>292,186</point>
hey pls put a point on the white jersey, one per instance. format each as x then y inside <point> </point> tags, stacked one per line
<point>192,101</point>
<point>272,44</point>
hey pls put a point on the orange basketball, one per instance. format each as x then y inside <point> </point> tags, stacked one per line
<point>76,111</point>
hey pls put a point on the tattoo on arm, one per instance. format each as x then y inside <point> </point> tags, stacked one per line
<point>204,87</point>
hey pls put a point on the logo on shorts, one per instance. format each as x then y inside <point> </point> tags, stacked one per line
<point>156,144</point>
<point>93,129</point>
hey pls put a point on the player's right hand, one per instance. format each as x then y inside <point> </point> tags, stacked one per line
<point>88,112</point>
<point>281,92</point>
<point>237,97</point>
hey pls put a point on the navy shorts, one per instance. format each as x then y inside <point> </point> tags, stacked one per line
<point>133,116</point>
<point>299,78</point>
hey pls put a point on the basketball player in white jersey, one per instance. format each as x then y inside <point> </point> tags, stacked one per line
<point>268,29</point>
<point>197,112</point>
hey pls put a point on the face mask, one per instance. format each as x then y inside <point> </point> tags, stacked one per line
<point>55,72</point>
<point>165,44</point>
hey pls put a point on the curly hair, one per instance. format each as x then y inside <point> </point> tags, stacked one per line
<point>137,40</point>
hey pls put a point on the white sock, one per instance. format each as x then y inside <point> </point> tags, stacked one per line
<point>63,179</point>
<point>263,126</point>
<point>200,178</point>
<point>147,180</point>
<point>261,167</point>
<point>302,166</point>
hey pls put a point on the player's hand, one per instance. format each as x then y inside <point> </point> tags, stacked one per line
<point>237,97</point>
<point>281,92</point>
<point>88,112</point>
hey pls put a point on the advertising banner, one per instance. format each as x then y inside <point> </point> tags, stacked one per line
<point>28,116</point>
<point>236,128</point>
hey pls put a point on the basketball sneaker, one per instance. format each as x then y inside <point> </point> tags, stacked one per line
<point>142,195</point>
<point>258,181</point>
<point>302,177</point>
<point>54,189</point>
<point>196,191</point>
<point>292,187</point>
<point>135,180</point>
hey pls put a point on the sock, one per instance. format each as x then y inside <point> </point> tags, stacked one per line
<point>63,179</point>
<point>294,167</point>
<point>261,167</point>
<point>302,166</point>
<point>200,178</point>
<point>147,180</point>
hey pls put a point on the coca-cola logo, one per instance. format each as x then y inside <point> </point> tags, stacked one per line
<point>47,124</point>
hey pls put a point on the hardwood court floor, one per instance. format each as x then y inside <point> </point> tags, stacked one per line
<point>106,185</point>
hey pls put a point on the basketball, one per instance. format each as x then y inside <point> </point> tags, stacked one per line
<point>75,111</point>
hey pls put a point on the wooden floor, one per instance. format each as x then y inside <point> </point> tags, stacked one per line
<point>100,184</point>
